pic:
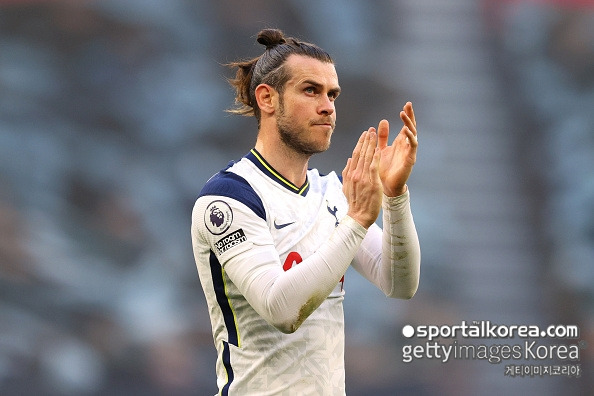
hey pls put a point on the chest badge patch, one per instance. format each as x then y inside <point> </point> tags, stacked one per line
<point>218,217</point>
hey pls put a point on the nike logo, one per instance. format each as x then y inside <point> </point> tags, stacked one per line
<point>279,226</point>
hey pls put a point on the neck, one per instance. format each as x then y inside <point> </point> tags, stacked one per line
<point>291,165</point>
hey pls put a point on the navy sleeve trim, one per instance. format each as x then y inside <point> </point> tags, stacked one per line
<point>228,184</point>
<point>218,283</point>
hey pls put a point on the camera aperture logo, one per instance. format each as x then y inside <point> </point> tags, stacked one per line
<point>526,350</point>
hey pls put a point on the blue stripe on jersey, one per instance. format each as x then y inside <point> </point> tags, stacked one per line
<point>228,368</point>
<point>268,170</point>
<point>218,282</point>
<point>228,184</point>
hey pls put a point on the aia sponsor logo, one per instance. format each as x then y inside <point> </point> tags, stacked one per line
<point>231,240</point>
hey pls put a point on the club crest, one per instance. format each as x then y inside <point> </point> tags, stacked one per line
<point>218,217</point>
<point>332,211</point>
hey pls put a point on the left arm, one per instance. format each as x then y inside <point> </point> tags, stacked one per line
<point>391,258</point>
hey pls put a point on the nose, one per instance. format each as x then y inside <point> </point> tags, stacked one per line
<point>326,106</point>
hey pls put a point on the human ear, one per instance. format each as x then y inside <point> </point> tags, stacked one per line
<point>266,97</point>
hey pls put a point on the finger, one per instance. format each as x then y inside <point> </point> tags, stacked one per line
<point>408,108</point>
<point>357,150</point>
<point>374,167</point>
<point>345,184</point>
<point>408,122</point>
<point>411,138</point>
<point>361,164</point>
<point>383,133</point>
<point>347,168</point>
<point>370,150</point>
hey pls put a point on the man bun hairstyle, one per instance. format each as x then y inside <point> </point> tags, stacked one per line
<point>268,68</point>
<point>271,38</point>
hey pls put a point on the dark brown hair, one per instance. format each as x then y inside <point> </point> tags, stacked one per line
<point>268,68</point>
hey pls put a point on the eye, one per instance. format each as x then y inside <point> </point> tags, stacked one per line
<point>310,90</point>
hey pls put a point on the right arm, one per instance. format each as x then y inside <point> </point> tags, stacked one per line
<point>286,298</point>
<point>283,298</point>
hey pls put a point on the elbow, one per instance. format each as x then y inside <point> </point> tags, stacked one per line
<point>405,286</point>
<point>286,324</point>
<point>286,327</point>
<point>405,293</point>
<point>290,325</point>
<point>406,296</point>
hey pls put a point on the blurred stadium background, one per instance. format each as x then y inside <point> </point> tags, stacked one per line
<point>112,117</point>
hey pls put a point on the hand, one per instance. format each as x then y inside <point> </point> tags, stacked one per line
<point>361,182</point>
<point>397,160</point>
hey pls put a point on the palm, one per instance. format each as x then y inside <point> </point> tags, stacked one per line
<point>397,159</point>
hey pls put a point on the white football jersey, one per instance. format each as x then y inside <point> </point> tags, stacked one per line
<point>249,205</point>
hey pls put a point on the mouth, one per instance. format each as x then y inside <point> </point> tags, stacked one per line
<point>328,124</point>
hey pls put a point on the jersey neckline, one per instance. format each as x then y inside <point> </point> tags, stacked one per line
<point>268,170</point>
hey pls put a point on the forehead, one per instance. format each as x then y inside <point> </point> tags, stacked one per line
<point>303,68</point>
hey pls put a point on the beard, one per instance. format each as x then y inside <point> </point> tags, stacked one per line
<point>297,137</point>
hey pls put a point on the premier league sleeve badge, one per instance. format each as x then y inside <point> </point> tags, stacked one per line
<point>218,217</point>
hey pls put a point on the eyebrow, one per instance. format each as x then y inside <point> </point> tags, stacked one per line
<point>335,90</point>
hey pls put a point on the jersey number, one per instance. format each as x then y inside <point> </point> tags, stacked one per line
<point>295,258</point>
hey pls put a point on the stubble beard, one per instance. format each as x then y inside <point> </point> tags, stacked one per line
<point>294,136</point>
